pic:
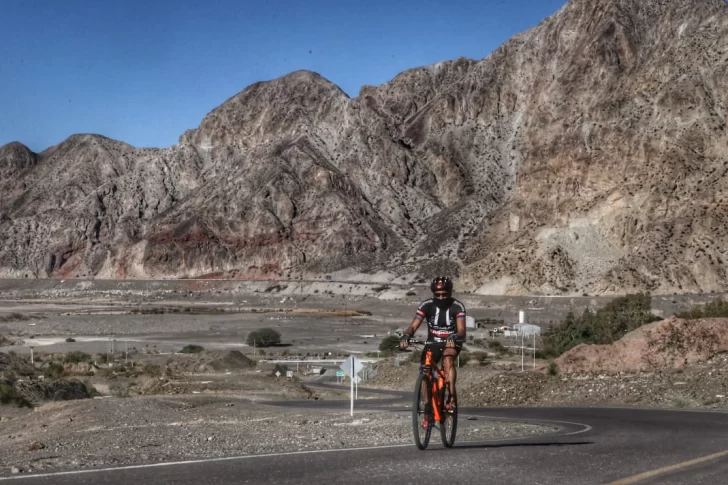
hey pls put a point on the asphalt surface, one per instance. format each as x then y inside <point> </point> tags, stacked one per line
<point>615,446</point>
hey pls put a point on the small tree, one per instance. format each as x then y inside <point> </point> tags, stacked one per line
<point>265,337</point>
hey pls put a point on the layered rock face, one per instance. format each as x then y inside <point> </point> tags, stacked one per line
<point>587,154</point>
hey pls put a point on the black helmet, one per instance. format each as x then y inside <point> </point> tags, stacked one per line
<point>441,283</point>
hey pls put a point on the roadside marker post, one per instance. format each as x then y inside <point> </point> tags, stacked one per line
<point>521,321</point>
<point>352,366</point>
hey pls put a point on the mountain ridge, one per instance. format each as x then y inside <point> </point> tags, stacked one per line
<point>581,156</point>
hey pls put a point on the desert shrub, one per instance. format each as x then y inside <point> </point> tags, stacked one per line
<point>192,349</point>
<point>553,368</point>
<point>496,345</point>
<point>415,357</point>
<point>480,342</point>
<point>53,370</point>
<point>119,389</point>
<point>681,400</point>
<point>76,356</point>
<point>282,368</point>
<point>464,358</point>
<point>411,293</point>
<point>264,337</point>
<point>70,339</point>
<point>605,326</point>
<point>91,390</point>
<point>713,309</point>
<point>14,316</point>
<point>389,344</point>
<point>9,395</point>
<point>480,357</point>
<point>111,372</point>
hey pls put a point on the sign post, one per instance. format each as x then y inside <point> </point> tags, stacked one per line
<point>352,366</point>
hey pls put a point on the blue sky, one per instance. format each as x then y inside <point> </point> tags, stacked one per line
<point>143,71</point>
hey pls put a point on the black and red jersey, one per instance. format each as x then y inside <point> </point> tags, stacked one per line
<point>441,318</point>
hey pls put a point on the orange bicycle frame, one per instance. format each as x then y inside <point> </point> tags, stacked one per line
<point>438,384</point>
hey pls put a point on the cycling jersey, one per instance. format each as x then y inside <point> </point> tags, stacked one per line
<point>441,317</point>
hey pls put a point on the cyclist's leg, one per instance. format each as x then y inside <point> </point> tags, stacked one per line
<point>448,358</point>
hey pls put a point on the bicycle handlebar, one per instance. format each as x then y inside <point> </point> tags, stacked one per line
<point>414,341</point>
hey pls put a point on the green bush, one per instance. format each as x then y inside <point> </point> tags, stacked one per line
<point>54,370</point>
<point>605,326</point>
<point>714,309</point>
<point>9,395</point>
<point>91,390</point>
<point>192,349</point>
<point>264,337</point>
<point>389,344</point>
<point>70,339</point>
<point>553,368</point>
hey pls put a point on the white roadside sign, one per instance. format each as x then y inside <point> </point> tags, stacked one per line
<point>350,363</point>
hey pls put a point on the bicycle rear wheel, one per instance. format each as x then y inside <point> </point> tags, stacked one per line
<point>422,412</point>
<point>449,424</point>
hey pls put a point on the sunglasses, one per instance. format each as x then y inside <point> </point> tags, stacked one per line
<point>440,295</point>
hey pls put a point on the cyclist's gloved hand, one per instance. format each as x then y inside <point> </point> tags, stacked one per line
<point>404,340</point>
<point>452,340</point>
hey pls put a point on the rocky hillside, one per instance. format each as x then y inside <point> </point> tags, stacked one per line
<point>587,154</point>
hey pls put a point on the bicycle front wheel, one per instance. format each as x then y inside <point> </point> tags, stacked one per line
<point>449,424</point>
<point>422,412</point>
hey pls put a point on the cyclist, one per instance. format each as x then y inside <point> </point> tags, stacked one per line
<point>445,328</point>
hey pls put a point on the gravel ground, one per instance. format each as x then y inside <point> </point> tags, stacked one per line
<point>147,429</point>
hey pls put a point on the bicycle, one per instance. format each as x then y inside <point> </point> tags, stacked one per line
<point>429,407</point>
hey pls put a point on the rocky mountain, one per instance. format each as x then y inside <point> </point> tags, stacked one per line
<point>588,154</point>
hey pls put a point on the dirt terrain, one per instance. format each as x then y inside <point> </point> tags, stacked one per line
<point>153,403</point>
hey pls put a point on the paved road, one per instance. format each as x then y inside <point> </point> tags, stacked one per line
<point>612,446</point>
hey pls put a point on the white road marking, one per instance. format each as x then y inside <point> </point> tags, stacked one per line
<point>585,427</point>
<point>661,471</point>
<point>206,460</point>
